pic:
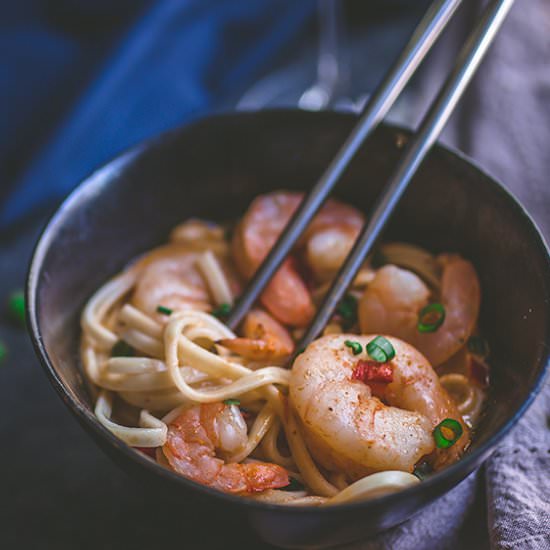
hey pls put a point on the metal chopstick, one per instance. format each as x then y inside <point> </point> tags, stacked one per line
<point>435,119</point>
<point>420,43</point>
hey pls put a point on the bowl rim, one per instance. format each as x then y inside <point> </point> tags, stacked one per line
<point>94,183</point>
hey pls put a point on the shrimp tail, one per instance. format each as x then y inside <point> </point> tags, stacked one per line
<point>260,477</point>
<point>257,350</point>
<point>263,338</point>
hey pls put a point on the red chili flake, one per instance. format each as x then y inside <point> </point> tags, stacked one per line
<point>246,414</point>
<point>376,375</point>
<point>372,371</point>
<point>149,451</point>
<point>478,371</point>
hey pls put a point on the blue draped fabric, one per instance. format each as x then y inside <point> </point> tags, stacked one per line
<point>81,81</point>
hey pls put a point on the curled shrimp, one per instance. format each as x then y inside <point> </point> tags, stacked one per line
<point>350,430</point>
<point>264,338</point>
<point>169,277</point>
<point>392,302</point>
<point>196,434</point>
<point>287,296</point>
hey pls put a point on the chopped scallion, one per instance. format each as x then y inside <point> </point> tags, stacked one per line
<point>380,349</point>
<point>164,310</point>
<point>232,402</point>
<point>447,433</point>
<point>356,347</point>
<point>16,306</point>
<point>478,346</point>
<point>3,352</point>
<point>431,317</point>
<point>378,259</point>
<point>294,485</point>
<point>122,349</point>
<point>347,308</point>
<point>222,311</point>
<point>422,470</point>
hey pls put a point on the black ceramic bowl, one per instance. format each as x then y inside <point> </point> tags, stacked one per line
<point>213,169</point>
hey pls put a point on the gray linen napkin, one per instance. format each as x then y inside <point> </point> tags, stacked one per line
<point>518,483</point>
<point>508,130</point>
<point>504,124</point>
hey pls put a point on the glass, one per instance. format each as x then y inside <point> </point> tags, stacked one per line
<point>331,88</point>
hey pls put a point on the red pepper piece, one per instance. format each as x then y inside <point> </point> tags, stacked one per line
<point>149,451</point>
<point>478,371</point>
<point>246,414</point>
<point>372,371</point>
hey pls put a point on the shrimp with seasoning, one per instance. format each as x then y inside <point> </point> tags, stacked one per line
<point>197,433</point>
<point>358,428</point>
<point>392,302</point>
<point>264,339</point>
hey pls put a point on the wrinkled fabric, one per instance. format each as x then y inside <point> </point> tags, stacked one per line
<point>518,483</point>
<point>441,525</point>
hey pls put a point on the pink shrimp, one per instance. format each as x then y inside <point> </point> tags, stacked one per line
<point>195,436</point>
<point>287,296</point>
<point>169,277</point>
<point>393,300</point>
<point>356,426</point>
<point>264,338</point>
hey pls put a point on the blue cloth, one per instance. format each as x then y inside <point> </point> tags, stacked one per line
<point>81,81</point>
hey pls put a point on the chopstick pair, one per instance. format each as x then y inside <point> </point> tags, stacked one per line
<point>420,43</point>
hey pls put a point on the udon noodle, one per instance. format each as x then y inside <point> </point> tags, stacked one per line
<point>165,371</point>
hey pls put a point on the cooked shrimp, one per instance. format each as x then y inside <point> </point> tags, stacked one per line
<point>170,277</point>
<point>327,250</point>
<point>201,235</point>
<point>195,436</point>
<point>287,296</point>
<point>349,430</point>
<point>393,300</point>
<point>264,338</point>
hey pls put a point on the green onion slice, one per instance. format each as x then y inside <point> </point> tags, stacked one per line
<point>232,402</point>
<point>478,346</point>
<point>294,485</point>
<point>122,349</point>
<point>222,310</point>
<point>442,436</point>
<point>356,347</point>
<point>431,317</point>
<point>16,306</point>
<point>380,349</point>
<point>3,352</point>
<point>347,308</point>
<point>422,470</point>
<point>164,310</point>
<point>378,259</point>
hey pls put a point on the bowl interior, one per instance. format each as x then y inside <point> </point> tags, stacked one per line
<point>215,168</point>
